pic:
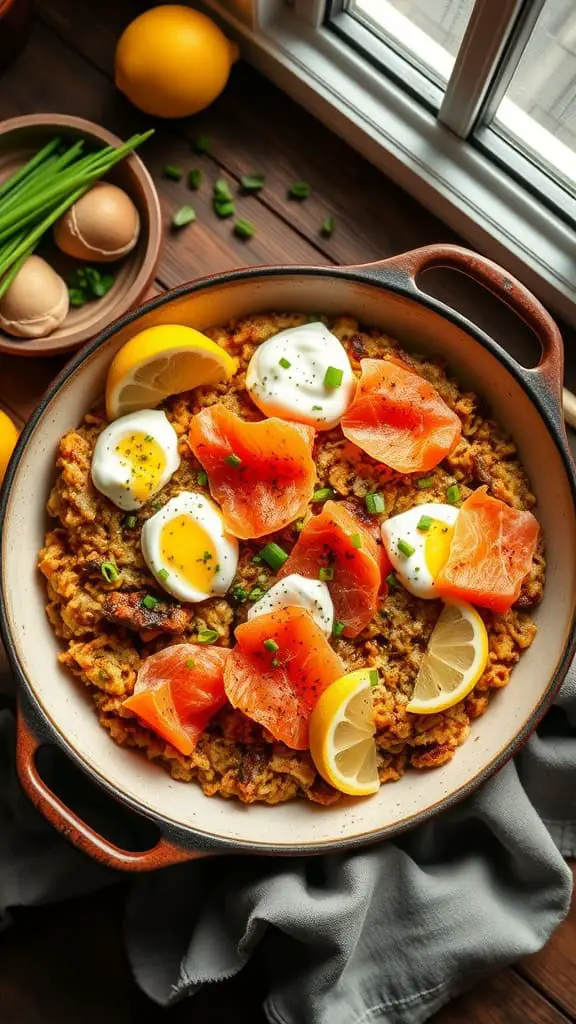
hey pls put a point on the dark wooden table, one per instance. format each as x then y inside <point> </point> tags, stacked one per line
<point>65,964</point>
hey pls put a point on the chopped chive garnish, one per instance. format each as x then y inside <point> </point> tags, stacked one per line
<point>194,178</point>
<point>405,548</point>
<point>453,494</point>
<point>284,363</point>
<point>316,408</point>
<point>110,572</point>
<point>333,377</point>
<point>392,581</point>
<point>299,525</point>
<point>202,144</point>
<point>149,602</point>
<point>155,506</point>
<point>172,172</point>
<point>356,540</point>
<point>424,523</point>
<point>252,182</point>
<point>239,594</point>
<point>375,503</point>
<point>271,646</point>
<point>299,190</point>
<point>373,676</point>
<point>323,494</point>
<point>190,663</point>
<point>425,482</point>
<point>256,593</point>
<point>131,522</point>
<point>338,628</point>
<point>328,227</point>
<point>185,215</point>
<point>326,573</point>
<point>148,437</point>
<point>275,663</point>
<point>244,228</point>
<point>233,460</point>
<point>207,636</point>
<point>202,478</point>
<point>274,555</point>
<point>163,574</point>
<point>256,559</point>
<point>222,190</point>
<point>224,207</point>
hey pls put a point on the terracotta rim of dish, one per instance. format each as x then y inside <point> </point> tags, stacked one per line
<point>49,346</point>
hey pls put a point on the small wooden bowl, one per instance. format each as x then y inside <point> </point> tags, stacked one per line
<point>20,138</point>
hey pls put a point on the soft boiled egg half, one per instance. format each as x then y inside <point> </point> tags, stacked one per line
<point>302,374</point>
<point>418,544</point>
<point>134,458</point>
<point>295,591</point>
<point>187,549</point>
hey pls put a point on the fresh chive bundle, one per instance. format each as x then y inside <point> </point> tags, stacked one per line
<point>39,193</point>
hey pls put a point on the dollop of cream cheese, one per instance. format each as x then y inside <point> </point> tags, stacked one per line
<point>286,376</point>
<point>297,591</point>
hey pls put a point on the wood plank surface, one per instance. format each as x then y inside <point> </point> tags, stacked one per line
<point>503,999</point>
<point>553,969</point>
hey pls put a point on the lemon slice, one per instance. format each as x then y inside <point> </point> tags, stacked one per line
<point>454,660</point>
<point>342,735</point>
<point>163,361</point>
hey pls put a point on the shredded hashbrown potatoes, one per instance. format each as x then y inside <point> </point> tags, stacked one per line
<point>106,634</point>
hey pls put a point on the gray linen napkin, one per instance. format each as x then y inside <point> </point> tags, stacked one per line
<point>380,936</point>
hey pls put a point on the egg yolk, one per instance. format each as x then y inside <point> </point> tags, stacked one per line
<point>145,462</point>
<point>437,546</point>
<point>188,549</point>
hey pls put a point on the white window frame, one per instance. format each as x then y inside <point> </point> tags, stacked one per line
<point>495,205</point>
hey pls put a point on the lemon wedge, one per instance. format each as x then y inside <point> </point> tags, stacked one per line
<point>454,660</point>
<point>342,734</point>
<point>163,361</point>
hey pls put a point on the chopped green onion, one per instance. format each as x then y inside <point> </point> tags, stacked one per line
<point>233,460</point>
<point>275,663</point>
<point>207,636</point>
<point>222,190</point>
<point>274,555</point>
<point>425,483</point>
<point>333,377</point>
<point>323,494</point>
<point>256,559</point>
<point>299,525</point>
<point>373,677</point>
<point>356,540</point>
<point>110,572</point>
<point>244,229</point>
<point>405,548</point>
<point>202,144</point>
<point>453,494</point>
<point>424,523</point>
<point>148,437</point>
<point>185,215</point>
<point>328,227</point>
<point>190,663</point>
<point>194,178</point>
<point>202,478</point>
<point>375,503</point>
<point>299,190</point>
<point>326,573</point>
<point>316,408</point>
<point>131,522</point>
<point>173,173</point>
<point>284,363</point>
<point>239,594</point>
<point>163,574</point>
<point>252,182</point>
<point>338,628</point>
<point>224,208</point>
<point>392,581</point>
<point>271,646</point>
<point>149,602</point>
<point>256,593</point>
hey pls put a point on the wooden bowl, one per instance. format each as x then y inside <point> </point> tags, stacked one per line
<point>20,138</point>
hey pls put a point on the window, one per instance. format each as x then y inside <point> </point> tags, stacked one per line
<point>470,105</point>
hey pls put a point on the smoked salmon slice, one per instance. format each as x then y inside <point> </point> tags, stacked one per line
<point>490,554</point>
<point>400,419</point>
<point>178,691</point>
<point>281,664</point>
<point>337,547</point>
<point>261,474</point>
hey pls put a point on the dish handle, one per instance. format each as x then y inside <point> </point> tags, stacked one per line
<point>548,375</point>
<point>76,831</point>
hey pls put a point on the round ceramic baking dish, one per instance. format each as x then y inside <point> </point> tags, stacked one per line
<point>55,709</point>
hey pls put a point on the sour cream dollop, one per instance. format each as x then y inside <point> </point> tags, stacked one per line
<point>302,374</point>
<point>296,591</point>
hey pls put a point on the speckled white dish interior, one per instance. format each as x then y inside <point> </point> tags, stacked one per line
<point>298,825</point>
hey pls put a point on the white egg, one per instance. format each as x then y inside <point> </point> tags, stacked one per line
<point>418,544</point>
<point>134,458</point>
<point>296,591</point>
<point>187,549</point>
<point>302,374</point>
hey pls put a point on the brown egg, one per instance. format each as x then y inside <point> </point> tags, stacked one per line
<point>102,226</point>
<point>36,302</point>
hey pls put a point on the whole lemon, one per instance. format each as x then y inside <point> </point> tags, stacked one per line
<point>8,438</point>
<point>173,61</point>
